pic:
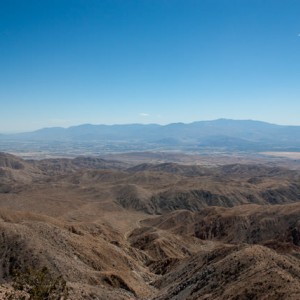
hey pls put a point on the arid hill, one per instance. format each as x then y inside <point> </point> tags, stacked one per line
<point>233,272</point>
<point>88,228</point>
<point>275,226</point>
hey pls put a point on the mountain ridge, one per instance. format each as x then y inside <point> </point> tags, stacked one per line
<point>219,120</point>
<point>206,123</point>
<point>221,135</point>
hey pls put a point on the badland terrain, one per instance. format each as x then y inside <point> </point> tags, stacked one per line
<point>149,226</point>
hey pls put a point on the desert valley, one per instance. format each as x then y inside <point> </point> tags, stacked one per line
<point>149,150</point>
<point>127,228</point>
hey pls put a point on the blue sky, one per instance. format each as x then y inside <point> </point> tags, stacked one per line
<point>64,63</point>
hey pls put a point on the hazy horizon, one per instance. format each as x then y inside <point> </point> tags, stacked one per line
<point>109,62</point>
<point>160,124</point>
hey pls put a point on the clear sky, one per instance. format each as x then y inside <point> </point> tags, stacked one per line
<point>69,62</point>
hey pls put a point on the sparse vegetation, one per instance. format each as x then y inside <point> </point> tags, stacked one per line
<point>40,284</point>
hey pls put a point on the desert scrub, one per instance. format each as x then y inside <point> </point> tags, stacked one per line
<point>40,284</point>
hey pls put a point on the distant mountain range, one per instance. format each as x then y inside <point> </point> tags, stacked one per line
<point>225,134</point>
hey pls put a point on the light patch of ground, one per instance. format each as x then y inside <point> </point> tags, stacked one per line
<point>291,155</point>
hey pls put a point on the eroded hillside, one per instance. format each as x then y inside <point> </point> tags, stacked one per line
<point>88,228</point>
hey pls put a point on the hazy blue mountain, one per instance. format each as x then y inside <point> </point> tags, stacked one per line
<point>227,142</point>
<point>222,133</point>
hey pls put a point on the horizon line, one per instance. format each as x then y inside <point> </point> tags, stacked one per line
<point>142,124</point>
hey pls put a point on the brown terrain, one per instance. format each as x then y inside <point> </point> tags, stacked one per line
<point>93,228</point>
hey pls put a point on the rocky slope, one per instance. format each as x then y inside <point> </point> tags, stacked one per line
<point>231,272</point>
<point>93,229</point>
